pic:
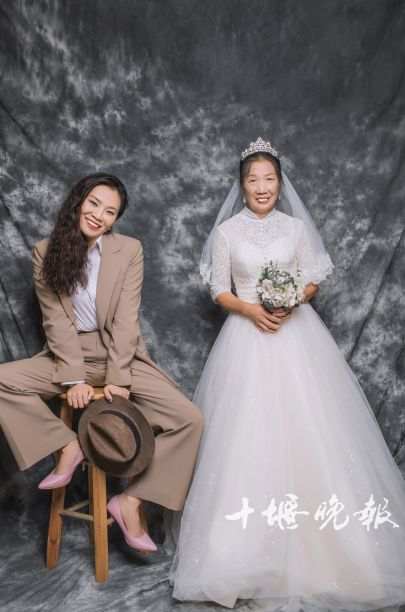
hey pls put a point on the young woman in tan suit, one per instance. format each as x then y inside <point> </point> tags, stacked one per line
<point>88,281</point>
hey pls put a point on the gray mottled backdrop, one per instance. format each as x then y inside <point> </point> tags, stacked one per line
<point>165,94</point>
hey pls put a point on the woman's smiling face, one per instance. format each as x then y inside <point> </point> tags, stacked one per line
<point>98,212</point>
<point>261,187</point>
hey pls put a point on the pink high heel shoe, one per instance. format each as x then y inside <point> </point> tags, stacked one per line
<point>54,481</point>
<point>142,543</point>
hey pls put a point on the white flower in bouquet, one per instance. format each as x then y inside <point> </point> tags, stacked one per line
<point>277,288</point>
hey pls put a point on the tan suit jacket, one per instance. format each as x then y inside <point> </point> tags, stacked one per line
<point>115,354</point>
<point>118,300</point>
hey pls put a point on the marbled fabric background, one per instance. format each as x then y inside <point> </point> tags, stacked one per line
<point>166,94</point>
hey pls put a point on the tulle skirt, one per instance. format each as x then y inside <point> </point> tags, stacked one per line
<point>296,500</point>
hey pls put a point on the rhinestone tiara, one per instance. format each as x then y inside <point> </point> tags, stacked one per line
<point>260,146</point>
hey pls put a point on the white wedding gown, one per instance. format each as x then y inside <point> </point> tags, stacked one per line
<point>289,429</point>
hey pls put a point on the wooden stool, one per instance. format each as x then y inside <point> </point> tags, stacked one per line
<point>97,504</point>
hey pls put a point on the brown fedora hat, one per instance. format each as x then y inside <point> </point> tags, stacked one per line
<point>116,437</point>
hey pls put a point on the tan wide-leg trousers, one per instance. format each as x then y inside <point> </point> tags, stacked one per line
<point>33,431</point>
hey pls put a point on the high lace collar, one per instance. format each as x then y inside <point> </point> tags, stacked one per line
<point>249,213</point>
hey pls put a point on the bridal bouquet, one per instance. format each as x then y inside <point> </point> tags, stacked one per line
<point>278,288</point>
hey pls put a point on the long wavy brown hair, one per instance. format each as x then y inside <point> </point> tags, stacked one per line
<point>64,266</point>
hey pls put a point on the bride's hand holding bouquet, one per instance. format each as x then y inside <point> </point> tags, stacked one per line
<point>263,319</point>
<point>279,293</point>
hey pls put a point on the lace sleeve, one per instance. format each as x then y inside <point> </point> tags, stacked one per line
<point>315,267</point>
<point>221,265</point>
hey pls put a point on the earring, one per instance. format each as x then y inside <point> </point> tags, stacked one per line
<point>243,199</point>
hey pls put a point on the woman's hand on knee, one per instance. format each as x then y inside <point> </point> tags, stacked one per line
<point>110,390</point>
<point>80,395</point>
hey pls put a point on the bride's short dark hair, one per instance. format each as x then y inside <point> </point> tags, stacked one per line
<point>245,164</point>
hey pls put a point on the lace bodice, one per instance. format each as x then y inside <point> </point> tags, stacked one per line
<point>243,243</point>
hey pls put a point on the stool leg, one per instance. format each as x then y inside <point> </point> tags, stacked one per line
<point>98,503</point>
<point>91,508</point>
<point>55,528</point>
<point>57,504</point>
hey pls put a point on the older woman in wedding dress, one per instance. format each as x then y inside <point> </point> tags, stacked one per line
<point>296,501</point>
